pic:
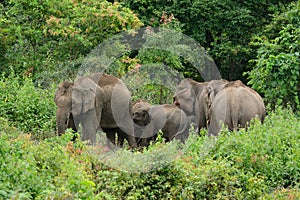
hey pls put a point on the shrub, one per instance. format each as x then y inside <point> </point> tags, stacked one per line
<point>270,149</point>
<point>29,108</point>
<point>43,170</point>
<point>276,68</point>
<point>260,163</point>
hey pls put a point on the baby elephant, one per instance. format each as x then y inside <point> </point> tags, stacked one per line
<point>148,120</point>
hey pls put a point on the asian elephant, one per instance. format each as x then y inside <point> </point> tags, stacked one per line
<point>172,121</point>
<point>191,97</point>
<point>97,101</point>
<point>234,105</point>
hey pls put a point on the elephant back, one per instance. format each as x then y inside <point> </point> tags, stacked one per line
<point>106,79</point>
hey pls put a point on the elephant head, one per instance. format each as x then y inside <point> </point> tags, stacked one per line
<point>63,100</point>
<point>141,114</point>
<point>189,97</point>
<point>86,95</point>
<point>185,97</point>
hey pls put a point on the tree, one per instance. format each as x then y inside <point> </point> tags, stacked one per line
<point>42,36</point>
<point>223,28</point>
<point>276,72</point>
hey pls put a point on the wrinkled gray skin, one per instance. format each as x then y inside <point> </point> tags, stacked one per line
<point>92,101</point>
<point>235,106</point>
<point>172,121</point>
<point>191,97</point>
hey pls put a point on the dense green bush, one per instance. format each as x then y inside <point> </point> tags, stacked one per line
<point>276,72</point>
<point>262,162</point>
<point>43,170</point>
<point>29,108</point>
<point>223,27</point>
<point>45,36</point>
<point>270,150</point>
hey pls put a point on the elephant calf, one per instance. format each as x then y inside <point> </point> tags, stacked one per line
<point>172,121</point>
<point>235,105</point>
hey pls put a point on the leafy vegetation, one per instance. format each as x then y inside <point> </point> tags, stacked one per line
<point>40,37</point>
<point>30,109</point>
<point>262,162</point>
<point>223,28</point>
<point>49,40</point>
<point>276,72</point>
<point>44,42</point>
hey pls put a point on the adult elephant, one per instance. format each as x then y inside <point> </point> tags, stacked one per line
<point>96,101</point>
<point>234,105</point>
<point>172,121</point>
<point>191,97</point>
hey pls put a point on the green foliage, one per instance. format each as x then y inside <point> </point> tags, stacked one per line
<point>155,88</point>
<point>29,108</point>
<point>223,28</point>
<point>275,73</point>
<point>47,170</point>
<point>270,149</point>
<point>260,163</point>
<point>38,36</point>
<point>138,55</point>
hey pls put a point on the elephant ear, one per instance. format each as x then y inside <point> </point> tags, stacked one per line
<point>77,101</point>
<point>83,100</point>
<point>88,100</point>
<point>87,93</point>
<point>64,90</point>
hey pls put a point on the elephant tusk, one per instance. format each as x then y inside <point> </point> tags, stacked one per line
<point>68,118</point>
<point>207,122</point>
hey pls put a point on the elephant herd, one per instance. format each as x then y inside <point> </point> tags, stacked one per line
<point>103,102</point>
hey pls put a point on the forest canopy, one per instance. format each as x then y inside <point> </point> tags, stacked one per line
<point>255,41</point>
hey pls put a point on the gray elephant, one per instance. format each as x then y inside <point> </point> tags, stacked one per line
<point>191,97</point>
<point>234,105</point>
<point>172,121</point>
<point>97,101</point>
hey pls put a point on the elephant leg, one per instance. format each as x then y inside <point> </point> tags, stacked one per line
<point>215,123</point>
<point>130,139</point>
<point>120,139</point>
<point>111,136</point>
<point>90,126</point>
<point>145,142</point>
<point>88,133</point>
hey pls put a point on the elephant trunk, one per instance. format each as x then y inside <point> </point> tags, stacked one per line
<point>61,121</point>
